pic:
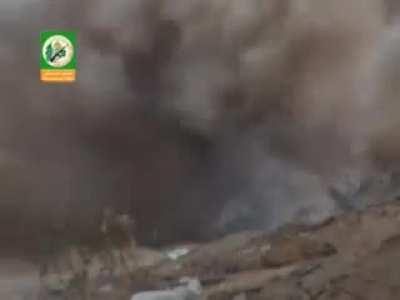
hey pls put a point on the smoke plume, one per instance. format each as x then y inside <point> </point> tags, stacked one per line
<point>197,118</point>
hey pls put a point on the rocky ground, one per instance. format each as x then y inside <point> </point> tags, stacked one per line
<point>352,256</point>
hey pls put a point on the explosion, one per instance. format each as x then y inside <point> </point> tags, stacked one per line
<point>198,118</point>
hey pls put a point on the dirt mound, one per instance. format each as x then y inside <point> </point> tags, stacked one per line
<point>353,256</point>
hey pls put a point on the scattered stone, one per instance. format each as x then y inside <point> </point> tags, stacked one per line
<point>190,290</point>
<point>295,249</point>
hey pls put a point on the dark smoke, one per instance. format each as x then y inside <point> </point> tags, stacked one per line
<point>198,118</point>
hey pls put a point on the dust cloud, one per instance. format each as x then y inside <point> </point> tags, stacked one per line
<point>198,118</point>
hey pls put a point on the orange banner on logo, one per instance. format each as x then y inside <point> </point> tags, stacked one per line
<point>58,75</point>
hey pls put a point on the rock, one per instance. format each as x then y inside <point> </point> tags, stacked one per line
<point>246,282</point>
<point>289,250</point>
<point>353,256</point>
<point>191,290</point>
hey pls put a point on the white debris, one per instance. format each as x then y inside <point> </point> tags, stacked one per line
<point>191,290</point>
<point>177,253</point>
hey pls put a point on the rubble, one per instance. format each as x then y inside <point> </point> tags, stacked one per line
<point>352,256</point>
<point>177,253</point>
<point>289,250</point>
<point>191,290</point>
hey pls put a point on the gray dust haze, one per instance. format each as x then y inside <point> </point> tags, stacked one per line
<point>197,117</point>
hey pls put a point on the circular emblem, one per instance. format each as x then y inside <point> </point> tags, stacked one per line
<point>58,51</point>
